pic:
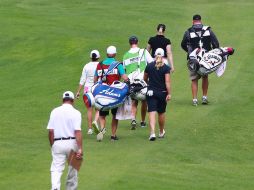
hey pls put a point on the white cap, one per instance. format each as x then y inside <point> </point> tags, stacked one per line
<point>96,52</point>
<point>159,51</point>
<point>68,94</point>
<point>111,50</point>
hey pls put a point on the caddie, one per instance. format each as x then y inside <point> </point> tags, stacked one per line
<point>134,62</point>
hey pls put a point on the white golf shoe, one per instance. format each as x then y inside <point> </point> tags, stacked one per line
<point>162,135</point>
<point>152,137</point>
<point>90,132</point>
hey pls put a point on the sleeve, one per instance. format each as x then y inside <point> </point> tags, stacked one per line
<point>121,69</point>
<point>214,40</point>
<point>83,76</point>
<point>150,41</point>
<point>148,57</point>
<point>168,42</point>
<point>185,41</point>
<point>77,121</point>
<point>167,69</point>
<point>51,121</point>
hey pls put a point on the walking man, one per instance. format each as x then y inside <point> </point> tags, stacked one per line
<point>134,62</point>
<point>198,36</point>
<point>64,135</point>
<point>114,75</point>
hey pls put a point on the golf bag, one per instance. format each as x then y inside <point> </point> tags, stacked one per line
<point>138,89</point>
<point>105,97</point>
<point>205,63</point>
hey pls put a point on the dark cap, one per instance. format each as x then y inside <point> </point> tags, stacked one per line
<point>163,26</point>
<point>196,17</point>
<point>133,40</point>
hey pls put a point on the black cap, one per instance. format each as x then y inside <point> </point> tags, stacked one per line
<point>133,40</point>
<point>163,26</point>
<point>196,17</point>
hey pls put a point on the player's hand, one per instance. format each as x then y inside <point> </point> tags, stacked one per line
<point>77,95</point>
<point>168,97</point>
<point>79,154</point>
<point>172,69</point>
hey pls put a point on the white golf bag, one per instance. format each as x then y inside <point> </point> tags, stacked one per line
<point>205,63</point>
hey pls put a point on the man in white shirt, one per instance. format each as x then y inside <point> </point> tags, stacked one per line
<point>135,61</point>
<point>64,135</point>
<point>87,80</point>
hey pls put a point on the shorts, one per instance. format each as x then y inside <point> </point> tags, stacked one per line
<point>157,102</point>
<point>105,113</point>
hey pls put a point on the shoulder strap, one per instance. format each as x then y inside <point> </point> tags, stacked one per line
<point>100,63</point>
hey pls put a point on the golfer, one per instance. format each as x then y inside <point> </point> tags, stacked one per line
<point>198,36</point>
<point>157,75</point>
<point>87,80</point>
<point>114,75</point>
<point>160,41</point>
<point>64,135</point>
<point>134,62</point>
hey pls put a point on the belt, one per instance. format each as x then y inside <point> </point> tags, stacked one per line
<point>64,138</point>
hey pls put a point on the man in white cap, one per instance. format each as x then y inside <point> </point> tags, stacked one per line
<point>64,135</point>
<point>87,80</point>
<point>114,75</point>
<point>135,61</point>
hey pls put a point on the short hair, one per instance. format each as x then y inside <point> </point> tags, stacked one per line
<point>133,40</point>
<point>196,17</point>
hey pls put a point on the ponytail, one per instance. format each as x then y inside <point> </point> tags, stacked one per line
<point>158,62</point>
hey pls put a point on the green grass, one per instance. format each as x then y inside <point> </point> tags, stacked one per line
<point>44,45</point>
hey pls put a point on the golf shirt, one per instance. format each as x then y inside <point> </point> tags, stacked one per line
<point>156,78</point>
<point>159,41</point>
<point>114,75</point>
<point>87,77</point>
<point>64,120</point>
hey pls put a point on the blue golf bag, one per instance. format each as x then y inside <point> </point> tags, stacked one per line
<point>105,97</point>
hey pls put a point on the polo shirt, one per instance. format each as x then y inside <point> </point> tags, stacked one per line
<point>64,120</point>
<point>159,41</point>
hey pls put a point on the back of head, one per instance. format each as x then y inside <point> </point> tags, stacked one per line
<point>159,61</point>
<point>159,51</point>
<point>133,40</point>
<point>95,55</point>
<point>111,51</point>
<point>161,28</point>
<point>68,96</point>
<point>196,18</point>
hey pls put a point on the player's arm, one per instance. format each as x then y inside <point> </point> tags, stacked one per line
<point>170,57</point>
<point>167,82</point>
<point>81,82</point>
<point>51,137</point>
<point>122,73</point>
<point>78,135</point>
<point>214,40</point>
<point>185,41</point>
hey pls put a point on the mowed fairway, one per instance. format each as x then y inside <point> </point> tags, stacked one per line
<point>43,47</point>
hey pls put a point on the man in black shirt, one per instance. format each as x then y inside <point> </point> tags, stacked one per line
<point>199,36</point>
<point>160,41</point>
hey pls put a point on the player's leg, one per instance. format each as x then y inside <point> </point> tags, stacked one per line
<point>114,124</point>
<point>205,84</point>
<point>89,119</point>
<point>143,113</point>
<point>134,108</point>
<point>57,165</point>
